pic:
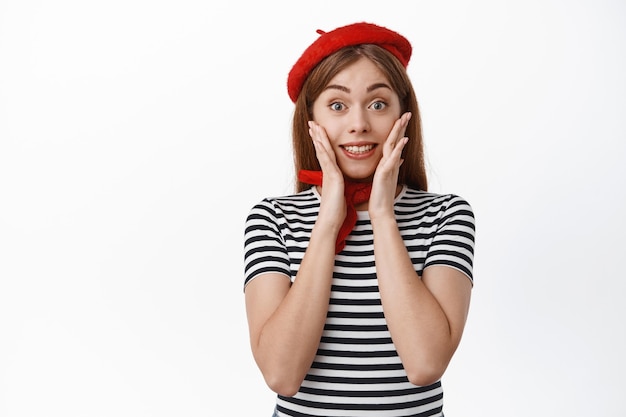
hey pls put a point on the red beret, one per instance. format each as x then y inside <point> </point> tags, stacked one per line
<point>330,42</point>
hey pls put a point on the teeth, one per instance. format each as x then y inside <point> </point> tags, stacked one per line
<point>359,149</point>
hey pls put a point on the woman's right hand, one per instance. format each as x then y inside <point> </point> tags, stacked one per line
<point>333,205</point>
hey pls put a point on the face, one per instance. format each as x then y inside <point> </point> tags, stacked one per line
<point>357,109</point>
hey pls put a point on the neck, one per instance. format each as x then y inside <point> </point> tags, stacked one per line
<point>362,206</point>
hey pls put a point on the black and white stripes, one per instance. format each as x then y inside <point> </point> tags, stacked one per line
<point>357,371</point>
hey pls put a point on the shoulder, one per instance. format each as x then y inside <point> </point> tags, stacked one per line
<point>279,206</point>
<point>448,220</point>
<point>412,199</point>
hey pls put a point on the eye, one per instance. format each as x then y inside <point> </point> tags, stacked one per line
<point>337,106</point>
<point>378,105</point>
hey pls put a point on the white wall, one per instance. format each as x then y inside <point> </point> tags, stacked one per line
<point>135,135</point>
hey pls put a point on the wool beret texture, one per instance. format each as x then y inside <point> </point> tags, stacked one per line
<point>350,35</point>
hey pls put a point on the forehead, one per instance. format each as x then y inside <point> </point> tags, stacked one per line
<point>363,72</point>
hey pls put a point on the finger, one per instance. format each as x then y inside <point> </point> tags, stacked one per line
<point>320,139</point>
<point>323,149</point>
<point>324,141</point>
<point>399,128</point>
<point>397,150</point>
<point>405,122</point>
<point>397,133</point>
<point>394,159</point>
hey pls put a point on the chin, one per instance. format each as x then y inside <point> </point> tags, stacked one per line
<point>356,177</point>
<point>359,172</point>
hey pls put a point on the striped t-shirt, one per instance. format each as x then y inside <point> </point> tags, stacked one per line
<point>357,371</point>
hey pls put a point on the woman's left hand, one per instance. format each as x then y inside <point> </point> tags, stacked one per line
<point>385,179</point>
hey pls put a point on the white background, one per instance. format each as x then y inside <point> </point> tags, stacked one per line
<point>136,135</point>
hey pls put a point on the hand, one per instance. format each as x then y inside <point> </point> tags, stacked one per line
<point>385,179</point>
<point>333,205</point>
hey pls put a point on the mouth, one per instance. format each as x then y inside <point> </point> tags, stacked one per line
<point>358,150</point>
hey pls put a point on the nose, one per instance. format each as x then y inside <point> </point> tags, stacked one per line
<point>359,121</point>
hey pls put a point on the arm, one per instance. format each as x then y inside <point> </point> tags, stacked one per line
<point>286,321</point>
<point>426,316</point>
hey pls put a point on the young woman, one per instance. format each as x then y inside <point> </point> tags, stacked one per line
<point>358,285</point>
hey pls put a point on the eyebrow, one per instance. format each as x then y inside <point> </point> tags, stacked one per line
<point>377,86</point>
<point>347,90</point>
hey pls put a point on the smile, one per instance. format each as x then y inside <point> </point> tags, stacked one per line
<point>358,149</point>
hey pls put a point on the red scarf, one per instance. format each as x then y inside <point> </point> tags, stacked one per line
<point>355,193</point>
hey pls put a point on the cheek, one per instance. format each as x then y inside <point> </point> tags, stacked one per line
<point>332,131</point>
<point>384,127</point>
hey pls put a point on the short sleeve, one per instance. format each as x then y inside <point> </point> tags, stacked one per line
<point>453,244</point>
<point>264,247</point>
